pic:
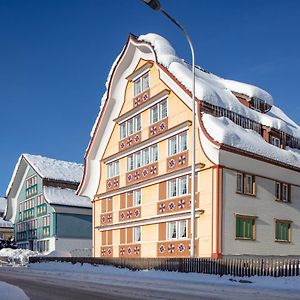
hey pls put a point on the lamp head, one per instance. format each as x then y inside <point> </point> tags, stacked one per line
<point>154,4</point>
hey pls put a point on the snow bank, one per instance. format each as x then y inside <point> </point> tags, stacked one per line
<point>97,273</point>
<point>57,253</point>
<point>68,197</point>
<point>11,292</point>
<point>18,256</point>
<point>226,132</point>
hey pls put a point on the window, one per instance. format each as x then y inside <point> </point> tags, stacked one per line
<point>178,187</point>
<point>141,84</point>
<point>282,191</point>
<point>137,234</point>
<point>137,197</point>
<point>245,227</point>
<point>142,158</point>
<point>31,186</point>
<point>283,231</point>
<point>245,184</point>
<point>113,169</point>
<point>158,111</point>
<point>177,230</point>
<point>275,141</point>
<point>130,127</point>
<point>177,144</point>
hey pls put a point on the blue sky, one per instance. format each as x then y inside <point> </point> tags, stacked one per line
<point>55,56</point>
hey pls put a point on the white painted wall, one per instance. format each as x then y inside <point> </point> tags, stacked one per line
<point>65,244</point>
<point>263,206</point>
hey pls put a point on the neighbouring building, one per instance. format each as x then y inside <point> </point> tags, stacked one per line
<point>44,208</point>
<point>6,227</point>
<point>138,162</point>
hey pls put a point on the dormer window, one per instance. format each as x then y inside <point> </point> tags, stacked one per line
<point>259,105</point>
<point>141,84</point>
<point>275,141</point>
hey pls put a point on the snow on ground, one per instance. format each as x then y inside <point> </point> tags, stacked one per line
<point>87,272</point>
<point>11,292</point>
<point>18,256</point>
<point>226,132</point>
<point>57,253</point>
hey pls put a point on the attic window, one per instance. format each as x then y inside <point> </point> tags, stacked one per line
<point>141,84</point>
<point>259,105</point>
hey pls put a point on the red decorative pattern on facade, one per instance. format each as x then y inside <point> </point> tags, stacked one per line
<point>112,183</point>
<point>106,219</point>
<point>130,214</point>
<point>141,98</point>
<point>177,161</point>
<point>130,141</point>
<point>106,251</point>
<point>176,204</point>
<point>130,250</point>
<point>158,127</point>
<point>175,248</point>
<point>142,174</point>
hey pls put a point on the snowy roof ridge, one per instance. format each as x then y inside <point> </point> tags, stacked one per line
<point>217,90</point>
<point>66,197</point>
<point>49,168</point>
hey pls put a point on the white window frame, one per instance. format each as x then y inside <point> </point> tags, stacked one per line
<point>175,144</point>
<point>179,227</point>
<point>137,234</point>
<point>160,110</point>
<point>137,197</point>
<point>178,184</point>
<point>113,169</point>
<point>138,159</point>
<point>275,141</point>
<point>125,127</point>
<point>140,83</point>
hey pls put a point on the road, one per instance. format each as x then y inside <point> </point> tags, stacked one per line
<point>39,285</point>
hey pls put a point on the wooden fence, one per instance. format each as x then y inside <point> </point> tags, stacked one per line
<point>276,267</point>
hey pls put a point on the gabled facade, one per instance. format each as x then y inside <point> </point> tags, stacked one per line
<point>247,163</point>
<point>6,227</point>
<point>42,204</point>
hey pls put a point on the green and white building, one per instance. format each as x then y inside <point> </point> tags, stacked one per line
<point>44,208</point>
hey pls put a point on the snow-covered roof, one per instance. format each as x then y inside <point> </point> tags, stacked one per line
<point>224,131</point>
<point>219,91</point>
<point>50,168</point>
<point>67,197</point>
<point>3,223</point>
<point>3,202</point>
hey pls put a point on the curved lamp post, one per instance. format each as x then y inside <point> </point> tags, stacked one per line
<point>155,5</point>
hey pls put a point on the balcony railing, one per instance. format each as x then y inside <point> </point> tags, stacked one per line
<point>247,123</point>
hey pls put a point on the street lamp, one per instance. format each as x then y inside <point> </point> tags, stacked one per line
<point>155,5</point>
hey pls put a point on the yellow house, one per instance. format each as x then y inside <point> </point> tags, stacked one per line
<point>138,162</point>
